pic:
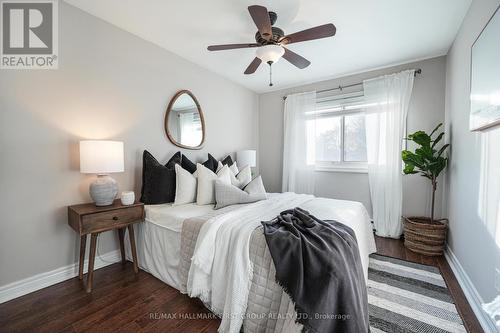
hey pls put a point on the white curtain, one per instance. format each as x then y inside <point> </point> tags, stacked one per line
<point>298,150</point>
<point>387,98</point>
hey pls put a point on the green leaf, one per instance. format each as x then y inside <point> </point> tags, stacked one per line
<point>421,138</point>
<point>425,152</point>
<point>437,127</point>
<point>437,166</point>
<point>412,159</point>
<point>406,153</point>
<point>443,148</point>
<point>409,169</point>
<point>439,137</point>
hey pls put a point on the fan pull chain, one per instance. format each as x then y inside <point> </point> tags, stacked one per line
<point>270,74</point>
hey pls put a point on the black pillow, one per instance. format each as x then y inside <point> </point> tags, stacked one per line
<point>210,164</point>
<point>227,161</point>
<point>158,181</point>
<point>187,164</point>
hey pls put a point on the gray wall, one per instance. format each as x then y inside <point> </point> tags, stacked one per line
<point>473,177</point>
<point>426,110</point>
<point>109,85</point>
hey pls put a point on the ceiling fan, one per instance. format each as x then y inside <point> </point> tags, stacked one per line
<point>270,41</point>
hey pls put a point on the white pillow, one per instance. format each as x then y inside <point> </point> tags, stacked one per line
<point>256,186</point>
<point>206,183</point>
<point>219,166</point>
<point>185,186</point>
<point>227,194</point>
<point>233,167</point>
<point>238,178</point>
<point>242,178</point>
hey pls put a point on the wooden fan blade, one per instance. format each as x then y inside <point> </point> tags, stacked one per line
<point>231,46</point>
<point>296,59</point>
<point>322,31</point>
<point>260,17</point>
<point>253,66</point>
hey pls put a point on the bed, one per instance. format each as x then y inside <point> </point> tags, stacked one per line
<point>221,256</point>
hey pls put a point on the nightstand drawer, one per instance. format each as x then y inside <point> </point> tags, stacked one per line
<point>103,221</point>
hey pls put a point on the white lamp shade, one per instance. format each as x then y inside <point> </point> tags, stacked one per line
<point>246,157</point>
<point>270,53</point>
<point>101,157</point>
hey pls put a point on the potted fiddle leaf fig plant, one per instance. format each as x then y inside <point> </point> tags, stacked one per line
<point>426,235</point>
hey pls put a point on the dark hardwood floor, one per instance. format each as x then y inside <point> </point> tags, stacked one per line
<point>122,301</point>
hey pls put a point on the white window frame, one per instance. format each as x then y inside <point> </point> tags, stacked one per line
<point>342,165</point>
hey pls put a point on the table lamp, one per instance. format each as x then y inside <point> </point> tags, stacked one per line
<point>246,157</point>
<point>102,158</point>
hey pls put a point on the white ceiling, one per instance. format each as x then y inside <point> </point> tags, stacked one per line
<point>370,34</point>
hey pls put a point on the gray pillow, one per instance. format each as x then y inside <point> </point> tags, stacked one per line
<point>228,194</point>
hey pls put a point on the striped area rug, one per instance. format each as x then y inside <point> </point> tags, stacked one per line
<point>409,297</point>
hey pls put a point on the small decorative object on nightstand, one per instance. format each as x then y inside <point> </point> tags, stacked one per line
<point>127,198</point>
<point>102,157</point>
<point>88,219</point>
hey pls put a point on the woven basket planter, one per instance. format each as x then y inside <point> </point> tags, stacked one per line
<point>422,236</point>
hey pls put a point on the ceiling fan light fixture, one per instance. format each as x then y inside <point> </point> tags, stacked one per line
<point>270,53</point>
<point>268,41</point>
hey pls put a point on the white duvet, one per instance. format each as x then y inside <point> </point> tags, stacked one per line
<point>221,270</point>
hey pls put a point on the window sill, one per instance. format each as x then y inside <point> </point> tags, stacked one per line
<point>341,168</point>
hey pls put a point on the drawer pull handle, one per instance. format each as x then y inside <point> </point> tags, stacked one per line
<point>115,218</point>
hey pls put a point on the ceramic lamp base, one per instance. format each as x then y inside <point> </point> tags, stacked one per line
<point>103,190</point>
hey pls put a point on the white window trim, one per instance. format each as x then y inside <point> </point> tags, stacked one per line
<point>349,167</point>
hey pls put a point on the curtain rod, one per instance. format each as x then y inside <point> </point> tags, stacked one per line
<point>417,71</point>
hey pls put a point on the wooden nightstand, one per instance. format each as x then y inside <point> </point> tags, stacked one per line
<point>89,219</point>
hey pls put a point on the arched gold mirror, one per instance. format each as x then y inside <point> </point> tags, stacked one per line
<point>184,122</point>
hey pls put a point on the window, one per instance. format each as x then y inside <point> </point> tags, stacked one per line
<point>336,132</point>
<point>190,128</point>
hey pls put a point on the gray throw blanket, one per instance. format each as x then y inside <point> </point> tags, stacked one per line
<point>319,267</point>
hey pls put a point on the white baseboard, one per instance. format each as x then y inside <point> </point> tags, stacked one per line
<point>42,280</point>
<point>471,293</point>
